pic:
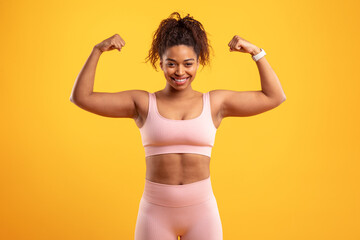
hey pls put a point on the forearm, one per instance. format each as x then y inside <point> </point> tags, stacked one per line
<point>270,83</point>
<point>84,83</point>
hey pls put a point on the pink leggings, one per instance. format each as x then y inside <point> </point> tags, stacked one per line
<point>168,211</point>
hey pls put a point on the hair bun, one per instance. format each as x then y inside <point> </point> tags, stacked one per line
<point>181,22</point>
<point>175,30</point>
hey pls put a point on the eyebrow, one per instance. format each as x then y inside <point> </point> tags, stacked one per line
<point>170,59</point>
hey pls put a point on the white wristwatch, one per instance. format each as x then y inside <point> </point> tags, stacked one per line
<point>259,55</point>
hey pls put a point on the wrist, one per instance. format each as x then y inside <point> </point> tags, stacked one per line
<point>97,50</point>
<point>255,51</point>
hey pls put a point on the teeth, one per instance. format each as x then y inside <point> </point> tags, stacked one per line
<point>180,80</point>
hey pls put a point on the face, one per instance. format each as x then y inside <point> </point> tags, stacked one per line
<point>179,63</point>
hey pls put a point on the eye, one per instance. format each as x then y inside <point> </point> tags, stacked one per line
<point>170,64</point>
<point>189,64</point>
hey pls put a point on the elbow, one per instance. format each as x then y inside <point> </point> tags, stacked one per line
<point>280,100</point>
<point>72,99</point>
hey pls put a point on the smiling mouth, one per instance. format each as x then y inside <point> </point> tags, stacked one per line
<point>180,80</point>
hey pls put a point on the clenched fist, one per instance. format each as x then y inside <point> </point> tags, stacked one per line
<point>241,45</point>
<point>114,42</point>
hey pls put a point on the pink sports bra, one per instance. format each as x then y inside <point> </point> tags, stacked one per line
<point>161,135</point>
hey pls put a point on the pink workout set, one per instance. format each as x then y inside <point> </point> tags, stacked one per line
<point>190,210</point>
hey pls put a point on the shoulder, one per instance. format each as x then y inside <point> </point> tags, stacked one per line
<point>220,92</point>
<point>139,93</point>
<point>218,99</point>
<point>218,95</point>
<point>140,96</point>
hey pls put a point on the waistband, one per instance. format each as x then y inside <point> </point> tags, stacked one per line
<point>178,195</point>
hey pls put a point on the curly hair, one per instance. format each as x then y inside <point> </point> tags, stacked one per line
<point>180,31</point>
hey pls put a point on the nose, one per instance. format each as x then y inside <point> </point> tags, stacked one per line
<point>180,70</point>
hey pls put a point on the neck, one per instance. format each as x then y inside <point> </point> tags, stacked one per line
<point>169,91</point>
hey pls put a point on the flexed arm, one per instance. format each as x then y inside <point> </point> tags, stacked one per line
<point>248,103</point>
<point>118,104</point>
<point>84,83</point>
<point>270,83</point>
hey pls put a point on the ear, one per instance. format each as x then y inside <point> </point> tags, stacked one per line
<point>161,63</point>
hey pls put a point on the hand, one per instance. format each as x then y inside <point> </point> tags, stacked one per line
<point>241,45</point>
<point>114,42</point>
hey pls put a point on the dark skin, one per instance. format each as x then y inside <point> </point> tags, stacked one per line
<point>177,101</point>
<point>178,168</point>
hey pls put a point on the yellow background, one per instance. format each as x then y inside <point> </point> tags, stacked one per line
<point>289,173</point>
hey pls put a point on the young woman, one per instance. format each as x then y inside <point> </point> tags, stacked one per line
<point>178,126</point>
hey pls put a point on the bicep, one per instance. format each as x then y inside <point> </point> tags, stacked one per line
<point>245,103</point>
<point>117,105</point>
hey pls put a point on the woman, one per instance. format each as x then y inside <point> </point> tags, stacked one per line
<point>178,126</point>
